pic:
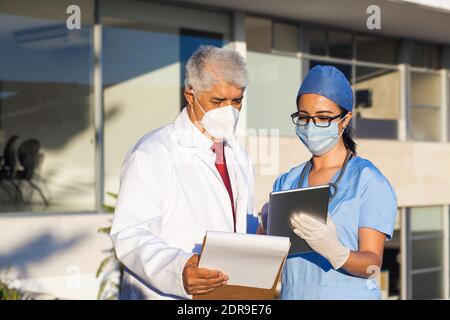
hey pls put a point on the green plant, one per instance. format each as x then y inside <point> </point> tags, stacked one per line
<point>8,293</point>
<point>111,259</point>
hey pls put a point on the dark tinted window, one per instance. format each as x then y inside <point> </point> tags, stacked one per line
<point>340,44</point>
<point>259,34</point>
<point>376,49</point>
<point>425,55</point>
<point>316,41</point>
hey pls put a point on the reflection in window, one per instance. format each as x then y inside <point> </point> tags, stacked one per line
<point>274,81</point>
<point>316,41</point>
<point>426,220</point>
<point>274,78</point>
<point>428,285</point>
<point>377,102</point>
<point>340,44</point>
<point>425,55</point>
<point>427,252</point>
<point>426,106</point>
<point>259,34</point>
<point>286,37</point>
<point>46,103</point>
<point>375,49</point>
<point>143,84</point>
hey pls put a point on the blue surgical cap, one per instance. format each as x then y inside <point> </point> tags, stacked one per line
<point>329,82</point>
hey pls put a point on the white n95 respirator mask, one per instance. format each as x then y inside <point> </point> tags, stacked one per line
<point>220,122</point>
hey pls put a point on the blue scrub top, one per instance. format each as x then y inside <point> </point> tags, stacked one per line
<point>364,199</point>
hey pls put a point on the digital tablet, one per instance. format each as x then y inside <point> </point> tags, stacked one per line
<point>283,204</point>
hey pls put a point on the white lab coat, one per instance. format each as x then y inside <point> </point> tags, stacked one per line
<point>170,194</point>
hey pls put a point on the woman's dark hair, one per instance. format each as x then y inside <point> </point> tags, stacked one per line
<point>347,136</point>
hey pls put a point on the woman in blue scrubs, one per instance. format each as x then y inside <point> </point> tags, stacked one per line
<point>348,250</point>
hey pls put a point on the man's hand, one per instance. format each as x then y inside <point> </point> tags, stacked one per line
<point>262,227</point>
<point>199,280</point>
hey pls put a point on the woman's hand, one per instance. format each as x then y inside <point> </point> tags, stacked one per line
<point>321,238</point>
<point>324,240</point>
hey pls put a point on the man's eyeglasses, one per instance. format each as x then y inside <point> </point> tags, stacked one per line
<point>318,120</point>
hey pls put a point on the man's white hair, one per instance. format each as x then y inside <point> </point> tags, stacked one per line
<point>210,65</point>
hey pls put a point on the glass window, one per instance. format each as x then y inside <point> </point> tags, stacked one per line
<point>143,83</point>
<point>426,220</point>
<point>274,78</point>
<point>375,129</point>
<point>316,41</point>
<point>427,252</point>
<point>274,81</point>
<point>428,285</point>
<point>286,37</point>
<point>341,45</point>
<point>46,101</point>
<point>425,106</point>
<point>259,34</point>
<point>376,49</point>
<point>377,102</point>
<point>425,55</point>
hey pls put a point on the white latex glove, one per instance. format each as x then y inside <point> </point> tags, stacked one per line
<point>321,238</point>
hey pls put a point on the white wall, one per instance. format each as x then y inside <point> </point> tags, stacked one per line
<point>57,254</point>
<point>418,171</point>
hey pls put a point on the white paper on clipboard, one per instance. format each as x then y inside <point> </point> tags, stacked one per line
<point>248,259</point>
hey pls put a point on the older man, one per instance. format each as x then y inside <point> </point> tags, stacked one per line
<point>182,180</point>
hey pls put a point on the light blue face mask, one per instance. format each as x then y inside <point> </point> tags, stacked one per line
<point>319,140</point>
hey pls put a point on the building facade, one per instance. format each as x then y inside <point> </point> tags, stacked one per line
<point>86,95</point>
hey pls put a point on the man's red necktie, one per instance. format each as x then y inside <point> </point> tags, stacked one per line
<point>221,165</point>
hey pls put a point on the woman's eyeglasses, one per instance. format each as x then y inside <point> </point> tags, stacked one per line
<point>318,120</point>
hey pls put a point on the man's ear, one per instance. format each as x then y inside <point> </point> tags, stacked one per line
<point>189,96</point>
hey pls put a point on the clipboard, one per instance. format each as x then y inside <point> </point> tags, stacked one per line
<point>237,292</point>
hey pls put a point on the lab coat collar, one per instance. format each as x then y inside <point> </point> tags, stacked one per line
<point>188,135</point>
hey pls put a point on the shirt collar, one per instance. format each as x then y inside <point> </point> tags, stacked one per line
<point>188,134</point>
